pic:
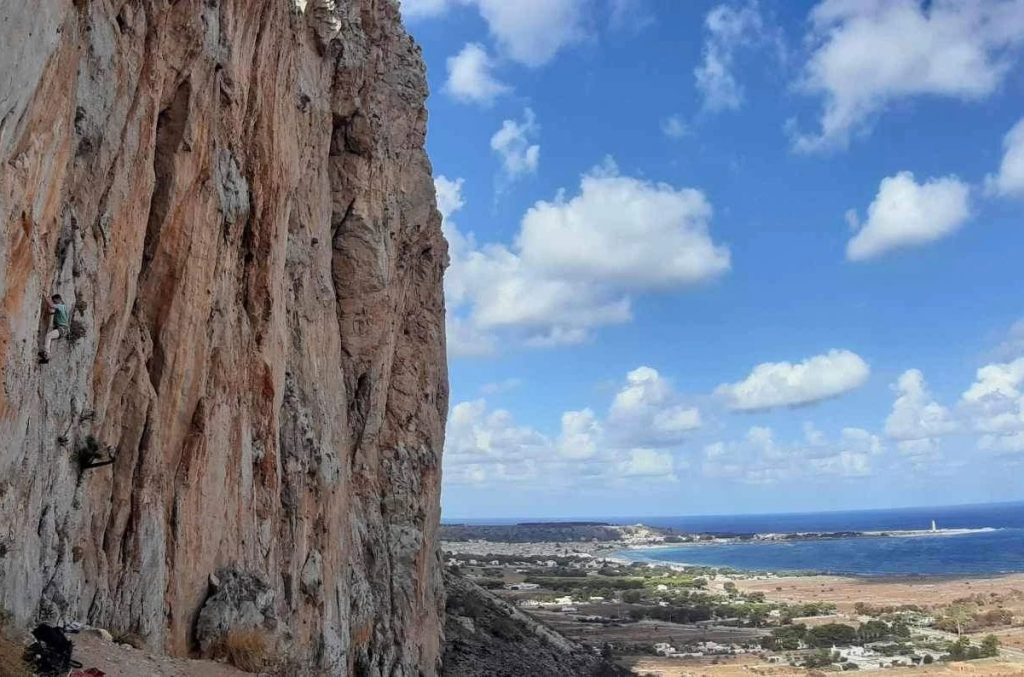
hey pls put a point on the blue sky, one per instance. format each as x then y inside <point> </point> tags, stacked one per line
<point>729,257</point>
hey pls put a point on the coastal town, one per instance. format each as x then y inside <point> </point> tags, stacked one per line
<point>672,619</point>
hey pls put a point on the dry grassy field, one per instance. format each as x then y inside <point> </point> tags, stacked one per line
<point>1007,591</point>
<point>667,667</point>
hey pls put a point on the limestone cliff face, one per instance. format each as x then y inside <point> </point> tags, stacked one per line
<point>233,198</point>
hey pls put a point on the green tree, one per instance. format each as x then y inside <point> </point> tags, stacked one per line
<point>958,649</point>
<point>990,646</point>
<point>822,658</point>
<point>785,638</point>
<point>873,630</point>
<point>632,596</point>
<point>832,634</point>
<point>960,615</point>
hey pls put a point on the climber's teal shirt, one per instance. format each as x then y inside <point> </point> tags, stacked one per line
<point>60,316</point>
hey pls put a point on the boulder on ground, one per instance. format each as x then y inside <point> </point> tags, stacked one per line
<point>240,601</point>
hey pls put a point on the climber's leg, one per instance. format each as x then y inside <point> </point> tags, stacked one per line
<point>50,336</point>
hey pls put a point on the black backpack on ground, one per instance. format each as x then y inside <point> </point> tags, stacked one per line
<point>50,654</point>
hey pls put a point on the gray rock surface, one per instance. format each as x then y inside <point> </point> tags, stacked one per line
<point>240,602</point>
<point>234,200</point>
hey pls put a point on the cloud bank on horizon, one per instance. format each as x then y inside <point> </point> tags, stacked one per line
<point>766,247</point>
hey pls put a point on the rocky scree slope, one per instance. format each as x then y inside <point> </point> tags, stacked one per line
<point>233,198</point>
<point>487,636</point>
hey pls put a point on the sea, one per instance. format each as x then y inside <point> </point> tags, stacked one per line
<point>995,544</point>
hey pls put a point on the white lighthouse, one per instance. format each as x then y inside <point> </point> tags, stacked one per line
<point>934,528</point>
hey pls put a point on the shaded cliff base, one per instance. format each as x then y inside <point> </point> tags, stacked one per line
<point>486,636</point>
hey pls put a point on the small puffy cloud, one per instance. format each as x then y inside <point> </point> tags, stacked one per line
<point>647,411</point>
<point>421,9</point>
<point>576,261</point>
<point>909,214</point>
<point>728,29</point>
<point>785,384</point>
<point>482,444</point>
<point>844,464</point>
<point>674,127</point>
<point>1010,179</point>
<point>470,77</point>
<point>513,144</point>
<point>860,441</point>
<point>532,32</point>
<point>1003,444</point>
<point>581,434</point>
<point>648,463</point>
<point>868,54</point>
<point>759,458</point>
<point>994,404</point>
<point>628,232</point>
<point>485,446</point>
<point>917,420</point>
<point>449,195</point>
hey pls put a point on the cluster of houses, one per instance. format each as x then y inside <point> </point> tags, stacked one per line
<point>865,657</point>
<point>701,649</point>
<point>564,604</point>
<point>581,561</point>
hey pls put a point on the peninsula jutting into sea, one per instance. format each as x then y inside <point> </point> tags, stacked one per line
<point>671,601</point>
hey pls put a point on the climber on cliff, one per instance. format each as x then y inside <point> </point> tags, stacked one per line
<point>61,324</point>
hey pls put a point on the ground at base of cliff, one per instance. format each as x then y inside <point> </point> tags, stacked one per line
<point>121,660</point>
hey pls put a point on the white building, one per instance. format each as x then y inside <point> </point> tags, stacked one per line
<point>522,586</point>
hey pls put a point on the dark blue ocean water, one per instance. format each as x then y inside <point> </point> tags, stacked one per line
<point>990,552</point>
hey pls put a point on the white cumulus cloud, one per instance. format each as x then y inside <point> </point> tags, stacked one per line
<point>482,445</point>
<point>648,463</point>
<point>909,214</point>
<point>581,436</point>
<point>868,54</point>
<point>785,384</point>
<point>759,458</point>
<point>419,9</point>
<point>916,417</point>
<point>513,144</point>
<point>994,403</point>
<point>470,76</point>
<point>532,32</point>
<point>628,232</point>
<point>647,412</point>
<point>576,261</point>
<point>1009,180</point>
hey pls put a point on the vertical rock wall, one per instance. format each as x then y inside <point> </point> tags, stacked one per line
<point>233,198</point>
